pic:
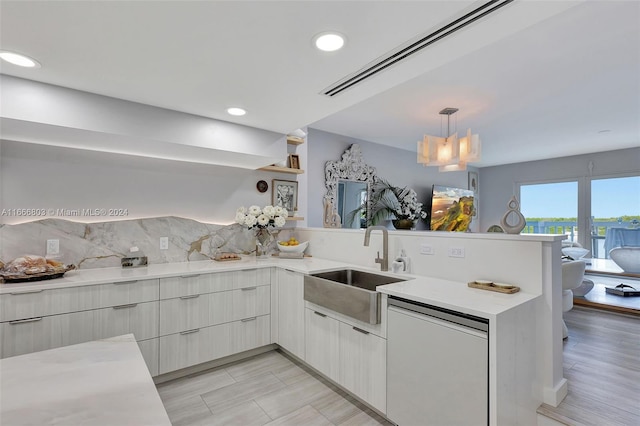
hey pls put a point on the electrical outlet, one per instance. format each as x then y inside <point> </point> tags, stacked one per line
<point>426,249</point>
<point>53,247</point>
<point>456,251</point>
<point>164,243</point>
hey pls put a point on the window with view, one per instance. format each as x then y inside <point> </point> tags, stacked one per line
<point>615,207</point>
<point>550,208</point>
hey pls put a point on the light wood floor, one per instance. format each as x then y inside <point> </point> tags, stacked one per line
<point>268,389</point>
<point>602,365</point>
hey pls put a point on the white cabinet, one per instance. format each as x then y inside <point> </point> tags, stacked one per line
<point>45,332</point>
<point>211,316</point>
<point>291,312</point>
<point>34,303</point>
<point>201,310</point>
<point>363,365</point>
<point>322,341</point>
<point>50,318</point>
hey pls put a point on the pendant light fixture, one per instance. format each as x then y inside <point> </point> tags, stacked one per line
<point>449,153</point>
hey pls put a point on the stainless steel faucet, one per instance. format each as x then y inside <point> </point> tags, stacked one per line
<point>384,261</point>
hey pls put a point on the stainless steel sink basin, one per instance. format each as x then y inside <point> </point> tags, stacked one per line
<point>348,292</point>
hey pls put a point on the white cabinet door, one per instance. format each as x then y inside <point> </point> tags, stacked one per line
<point>37,303</point>
<point>250,333</point>
<point>195,346</point>
<point>202,310</point>
<point>150,352</point>
<point>291,312</point>
<point>322,343</point>
<point>42,333</point>
<point>363,365</point>
<point>141,319</point>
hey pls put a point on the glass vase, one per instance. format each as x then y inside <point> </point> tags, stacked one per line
<point>263,240</point>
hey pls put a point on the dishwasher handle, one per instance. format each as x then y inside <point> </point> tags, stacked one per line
<point>466,320</point>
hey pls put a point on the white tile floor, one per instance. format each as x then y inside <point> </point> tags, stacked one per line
<point>269,389</point>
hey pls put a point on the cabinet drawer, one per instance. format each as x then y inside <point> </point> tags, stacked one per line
<point>42,333</point>
<point>203,310</point>
<point>250,333</point>
<point>188,285</point>
<point>150,351</point>
<point>141,319</point>
<point>200,345</point>
<point>193,347</point>
<point>29,304</point>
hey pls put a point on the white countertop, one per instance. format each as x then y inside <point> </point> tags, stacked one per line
<point>448,294</point>
<point>84,277</point>
<point>455,296</point>
<point>105,382</point>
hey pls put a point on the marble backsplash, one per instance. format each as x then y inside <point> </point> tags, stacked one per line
<point>103,244</point>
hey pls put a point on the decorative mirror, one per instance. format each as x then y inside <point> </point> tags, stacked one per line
<point>348,183</point>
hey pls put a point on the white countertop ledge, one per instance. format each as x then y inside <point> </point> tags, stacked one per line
<point>434,291</point>
<point>104,382</point>
<point>456,296</point>
<point>83,277</point>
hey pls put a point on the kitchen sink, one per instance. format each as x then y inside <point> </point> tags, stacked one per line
<point>347,291</point>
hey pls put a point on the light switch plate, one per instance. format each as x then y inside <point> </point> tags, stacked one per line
<point>456,251</point>
<point>426,249</point>
<point>53,247</point>
<point>164,243</point>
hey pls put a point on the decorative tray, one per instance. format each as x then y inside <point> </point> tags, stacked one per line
<point>500,288</point>
<point>58,272</point>
<point>226,257</point>
<point>284,255</point>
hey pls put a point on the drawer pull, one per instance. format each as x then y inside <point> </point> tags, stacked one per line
<point>249,270</point>
<point>248,319</point>
<point>17,293</point>
<point>195,330</point>
<point>249,288</point>
<point>359,330</point>
<point>130,305</point>
<point>25,320</point>
<point>126,282</point>
<point>190,276</point>
<point>193,296</point>
<point>319,314</point>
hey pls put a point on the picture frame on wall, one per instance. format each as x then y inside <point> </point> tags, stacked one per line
<point>294,161</point>
<point>473,181</point>
<point>284,193</point>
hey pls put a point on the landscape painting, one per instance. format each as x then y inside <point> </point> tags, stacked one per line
<point>451,209</point>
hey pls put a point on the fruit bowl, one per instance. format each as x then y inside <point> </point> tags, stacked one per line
<point>293,249</point>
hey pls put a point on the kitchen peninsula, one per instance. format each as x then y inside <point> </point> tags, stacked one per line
<point>95,383</point>
<point>283,323</point>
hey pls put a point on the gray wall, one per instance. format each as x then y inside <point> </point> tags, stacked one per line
<point>499,183</point>
<point>397,166</point>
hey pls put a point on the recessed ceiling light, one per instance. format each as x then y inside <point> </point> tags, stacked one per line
<point>329,42</point>
<point>236,111</point>
<point>18,59</point>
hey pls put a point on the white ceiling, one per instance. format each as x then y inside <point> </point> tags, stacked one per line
<point>538,79</point>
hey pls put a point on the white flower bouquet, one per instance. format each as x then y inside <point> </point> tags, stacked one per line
<point>268,217</point>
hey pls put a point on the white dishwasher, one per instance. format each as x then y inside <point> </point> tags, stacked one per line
<point>437,366</point>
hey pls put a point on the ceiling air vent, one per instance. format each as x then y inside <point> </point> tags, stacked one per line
<point>414,47</point>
